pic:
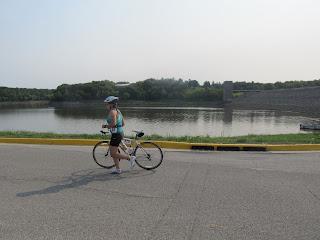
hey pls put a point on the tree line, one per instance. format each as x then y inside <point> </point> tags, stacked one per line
<point>147,90</point>
<point>24,94</point>
<point>274,86</point>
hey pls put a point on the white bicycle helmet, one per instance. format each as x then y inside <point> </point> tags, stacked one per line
<point>111,99</point>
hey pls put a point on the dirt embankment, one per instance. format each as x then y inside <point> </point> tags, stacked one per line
<point>304,100</point>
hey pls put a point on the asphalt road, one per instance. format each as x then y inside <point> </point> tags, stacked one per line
<point>57,192</point>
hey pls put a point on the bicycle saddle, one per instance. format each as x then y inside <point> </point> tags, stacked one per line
<point>139,133</point>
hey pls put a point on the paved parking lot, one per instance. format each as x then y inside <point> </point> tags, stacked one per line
<point>57,192</point>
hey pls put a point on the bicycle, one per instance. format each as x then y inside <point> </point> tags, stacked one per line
<point>148,154</point>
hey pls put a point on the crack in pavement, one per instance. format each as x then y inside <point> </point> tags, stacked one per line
<point>198,203</point>
<point>313,194</point>
<point>173,200</point>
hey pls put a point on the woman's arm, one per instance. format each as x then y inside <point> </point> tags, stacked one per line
<point>113,115</point>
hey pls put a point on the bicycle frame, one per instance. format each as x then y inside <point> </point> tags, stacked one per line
<point>133,143</point>
<point>130,146</point>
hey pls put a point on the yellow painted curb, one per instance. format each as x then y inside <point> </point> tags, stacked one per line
<point>174,145</point>
<point>294,147</point>
<point>51,141</point>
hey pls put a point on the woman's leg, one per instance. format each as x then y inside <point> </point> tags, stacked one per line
<point>116,156</point>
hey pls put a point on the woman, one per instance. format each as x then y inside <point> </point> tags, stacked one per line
<point>115,125</point>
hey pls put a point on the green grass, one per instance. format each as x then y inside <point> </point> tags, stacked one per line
<point>267,139</point>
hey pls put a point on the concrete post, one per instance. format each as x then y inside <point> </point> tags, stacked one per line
<point>227,91</point>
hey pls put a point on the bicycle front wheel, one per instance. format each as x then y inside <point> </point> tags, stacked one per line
<point>101,155</point>
<point>148,155</point>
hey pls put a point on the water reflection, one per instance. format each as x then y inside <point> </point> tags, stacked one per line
<point>80,112</point>
<point>227,114</point>
<point>154,120</point>
<point>146,114</point>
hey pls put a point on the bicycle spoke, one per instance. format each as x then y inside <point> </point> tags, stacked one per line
<point>101,155</point>
<point>148,155</point>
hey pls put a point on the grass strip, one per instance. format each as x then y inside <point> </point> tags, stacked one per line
<point>299,138</point>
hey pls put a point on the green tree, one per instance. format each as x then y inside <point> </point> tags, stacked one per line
<point>206,84</point>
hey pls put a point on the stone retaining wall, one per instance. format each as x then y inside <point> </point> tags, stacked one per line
<point>306,100</point>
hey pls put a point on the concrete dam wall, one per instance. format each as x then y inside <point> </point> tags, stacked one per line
<point>305,100</point>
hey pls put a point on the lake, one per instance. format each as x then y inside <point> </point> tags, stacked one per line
<point>174,121</point>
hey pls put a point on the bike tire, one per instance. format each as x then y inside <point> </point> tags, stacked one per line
<point>148,155</point>
<point>101,155</point>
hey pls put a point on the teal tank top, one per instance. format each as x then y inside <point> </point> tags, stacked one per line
<point>118,128</point>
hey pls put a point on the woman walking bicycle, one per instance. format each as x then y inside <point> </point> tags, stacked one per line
<point>115,124</point>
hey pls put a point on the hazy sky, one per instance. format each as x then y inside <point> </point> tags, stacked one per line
<point>44,43</point>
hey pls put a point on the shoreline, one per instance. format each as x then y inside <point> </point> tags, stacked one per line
<point>24,104</point>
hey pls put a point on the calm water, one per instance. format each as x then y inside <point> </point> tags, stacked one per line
<point>154,120</point>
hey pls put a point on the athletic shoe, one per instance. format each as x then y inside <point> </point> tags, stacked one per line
<point>116,171</point>
<point>132,161</point>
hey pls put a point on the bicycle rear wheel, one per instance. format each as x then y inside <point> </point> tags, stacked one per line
<point>101,155</point>
<point>148,155</point>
